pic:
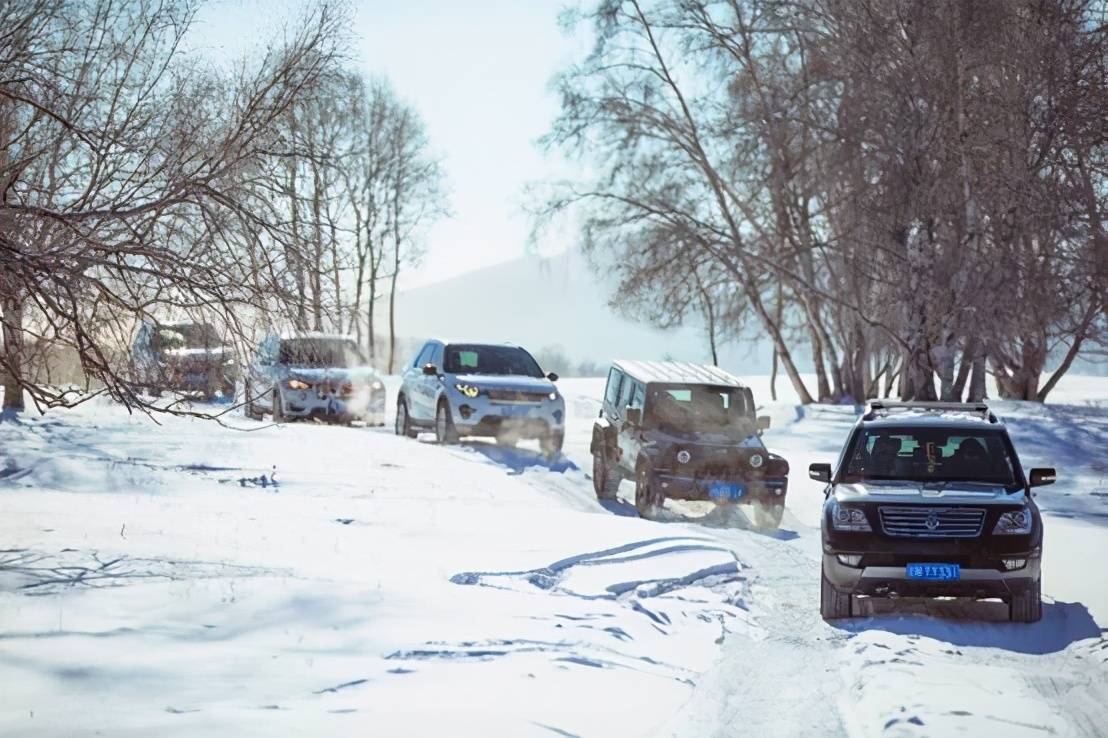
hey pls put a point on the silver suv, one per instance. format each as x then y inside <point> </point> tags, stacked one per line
<point>480,389</point>
<point>314,375</point>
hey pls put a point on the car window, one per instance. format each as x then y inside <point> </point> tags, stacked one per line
<point>638,395</point>
<point>625,393</point>
<point>932,455</point>
<point>423,357</point>
<point>436,355</point>
<point>319,352</point>
<point>698,410</point>
<point>615,378</point>
<point>471,358</point>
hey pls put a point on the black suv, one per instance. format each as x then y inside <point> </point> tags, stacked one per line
<point>929,500</point>
<point>686,432</point>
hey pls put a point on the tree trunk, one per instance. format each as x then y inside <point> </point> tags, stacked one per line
<point>977,391</point>
<point>12,316</point>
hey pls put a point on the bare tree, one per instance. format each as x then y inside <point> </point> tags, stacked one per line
<point>127,168</point>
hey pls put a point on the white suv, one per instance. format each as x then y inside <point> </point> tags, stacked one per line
<point>480,389</point>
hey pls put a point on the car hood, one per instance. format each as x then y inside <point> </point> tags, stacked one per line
<point>516,382</point>
<point>705,440</point>
<point>315,375</point>
<point>913,492</point>
<point>184,358</point>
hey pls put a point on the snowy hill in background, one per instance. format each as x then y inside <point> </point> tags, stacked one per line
<point>557,301</point>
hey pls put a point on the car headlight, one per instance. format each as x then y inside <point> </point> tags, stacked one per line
<point>756,460</point>
<point>1014,523</point>
<point>467,389</point>
<point>553,395</point>
<point>377,385</point>
<point>849,519</point>
<point>298,384</point>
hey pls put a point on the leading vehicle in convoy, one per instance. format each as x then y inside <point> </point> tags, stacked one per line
<point>689,432</point>
<point>186,356</point>
<point>463,388</point>
<point>930,500</point>
<point>317,376</point>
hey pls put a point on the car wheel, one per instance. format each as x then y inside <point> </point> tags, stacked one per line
<point>1026,606</point>
<point>444,425</point>
<point>248,408</point>
<point>403,420</point>
<point>551,443</point>
<point>768,515</point>
<point>605,480</point>
<point>647,501</point>
<point>278,407</point>
<point>833,604</point>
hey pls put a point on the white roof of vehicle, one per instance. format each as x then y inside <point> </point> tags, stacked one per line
<point>677,372</point>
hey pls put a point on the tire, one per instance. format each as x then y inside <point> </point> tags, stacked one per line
<point>278,407</point>
<point>248,408</point>
<point>1026,606</point>
<point>647,501</point>
<point>403,426</point>
<point>445,432</point>
<point>605,479</point>
<point>833,604</point>
<point>768,516</point>
<point>551,443</point>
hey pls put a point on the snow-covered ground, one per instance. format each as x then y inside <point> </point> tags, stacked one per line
<point>192,579</point>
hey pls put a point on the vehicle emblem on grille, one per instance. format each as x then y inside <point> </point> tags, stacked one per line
<point>932,521</point>
<point>683,456</point>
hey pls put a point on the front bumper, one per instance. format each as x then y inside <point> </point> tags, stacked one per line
<point>480,416</point>
<point>334,408</point>
<point>979,581</point>
<point>763,490</point>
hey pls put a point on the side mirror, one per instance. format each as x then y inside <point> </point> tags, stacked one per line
<point>1041,477</point>
<point>552,377</point>
<point>430,370</point>
<point>633,416</point>
<point>820,472</point>
<point>763,423</point>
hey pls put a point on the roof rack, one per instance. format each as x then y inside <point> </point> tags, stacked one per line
<point>881,408</point>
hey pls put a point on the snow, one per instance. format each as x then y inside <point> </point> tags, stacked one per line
<point>187,578</point>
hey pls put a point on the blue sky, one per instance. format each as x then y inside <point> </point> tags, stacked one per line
<point>479,73</point>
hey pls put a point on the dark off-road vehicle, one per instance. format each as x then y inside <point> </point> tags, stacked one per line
<point>929,500</point>
<point>184,357</point>
<point>687,432</point>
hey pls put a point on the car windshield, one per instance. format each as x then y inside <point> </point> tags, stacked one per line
<point>699,410</point>
<point>320,352</point>
<point>477,359</point>
<point>188,335</point>
<point>931,455</point>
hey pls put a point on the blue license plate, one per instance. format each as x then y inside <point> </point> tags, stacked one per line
<point>725,490</point>
<point>934,572</point>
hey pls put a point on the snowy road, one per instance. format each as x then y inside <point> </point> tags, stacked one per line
<point>155,581</point>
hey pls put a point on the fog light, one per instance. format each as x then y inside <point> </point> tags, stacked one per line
<point>1013,564</point>
<point>850,559</point>
<point>465,411</point>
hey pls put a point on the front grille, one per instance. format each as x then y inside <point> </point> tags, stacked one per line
<point>515,396</point>
<point>323,389</point>
<point>932,522</point>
